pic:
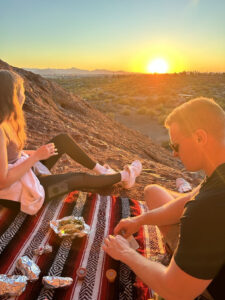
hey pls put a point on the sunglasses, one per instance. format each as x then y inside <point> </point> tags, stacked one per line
<point>174,147</point>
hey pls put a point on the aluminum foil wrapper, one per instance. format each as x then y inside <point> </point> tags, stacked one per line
<point>28,268</point>
<point>42,250</point>
<point>55,282</point>
<point>12,285</point>
<point>56,226</point>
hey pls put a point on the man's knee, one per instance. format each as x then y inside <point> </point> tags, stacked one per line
<point>150,195</point>
<point>151,189</point>
<point>156,195</point>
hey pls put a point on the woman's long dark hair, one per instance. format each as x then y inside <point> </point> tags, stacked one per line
<point>10,109</point>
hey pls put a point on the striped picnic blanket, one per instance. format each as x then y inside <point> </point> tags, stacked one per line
<point>20,234</point>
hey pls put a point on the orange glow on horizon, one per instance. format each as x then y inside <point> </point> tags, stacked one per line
<point>158,65</point>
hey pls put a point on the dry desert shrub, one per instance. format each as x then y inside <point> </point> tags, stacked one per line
<point>126,112</point>
<point>163,99</point>
<point>143,110</point>
<point>151,112</point>
<point>111,115</point>
<point>161,119</point>
<point>124,101</point>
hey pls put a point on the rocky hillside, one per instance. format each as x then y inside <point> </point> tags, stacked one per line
<point>50,110</point>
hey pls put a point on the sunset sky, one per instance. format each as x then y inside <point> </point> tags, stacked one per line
<point>113,34</point>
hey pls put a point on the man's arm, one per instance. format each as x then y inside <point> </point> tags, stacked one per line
<point>170,282</point>
<point>169,213</point>
<point>166,214</point>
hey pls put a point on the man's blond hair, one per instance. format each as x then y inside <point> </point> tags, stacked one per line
<point>199,113</point>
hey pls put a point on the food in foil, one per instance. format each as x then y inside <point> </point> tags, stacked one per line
<point>12,285</point>
<point>70,226</point>
<point>55,282</point>
<point>42,250</point>
<point>28,268</point>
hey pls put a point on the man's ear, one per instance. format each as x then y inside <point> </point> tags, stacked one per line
<point>201,136</point>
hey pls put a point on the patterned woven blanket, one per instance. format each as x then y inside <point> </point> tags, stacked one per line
<point>20,234</point>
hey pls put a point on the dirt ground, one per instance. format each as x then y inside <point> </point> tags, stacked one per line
<point>147,126</point>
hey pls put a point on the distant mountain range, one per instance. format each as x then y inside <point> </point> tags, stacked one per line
<point>74,72</point>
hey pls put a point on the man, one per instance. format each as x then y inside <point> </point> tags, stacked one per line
<point>197,134</point>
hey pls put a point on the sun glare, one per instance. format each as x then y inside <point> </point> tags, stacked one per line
<point>158,65</point>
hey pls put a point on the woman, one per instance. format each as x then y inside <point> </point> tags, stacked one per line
<point>17,180</point>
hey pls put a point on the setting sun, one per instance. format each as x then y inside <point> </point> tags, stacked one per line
<point>158,65</point>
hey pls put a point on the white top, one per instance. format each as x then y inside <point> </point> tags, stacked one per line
<point>27,190</point>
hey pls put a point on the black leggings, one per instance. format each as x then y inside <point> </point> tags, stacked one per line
<point>60,184</point>
<point>56,185</point>
<point>65,144</point>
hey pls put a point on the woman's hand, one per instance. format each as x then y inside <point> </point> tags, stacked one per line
<point>128,226</point>
<point>46,151</point>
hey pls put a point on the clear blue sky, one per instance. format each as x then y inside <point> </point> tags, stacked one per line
<point>113,34</point>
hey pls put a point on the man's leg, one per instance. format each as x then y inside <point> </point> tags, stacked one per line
<point>156,196</point>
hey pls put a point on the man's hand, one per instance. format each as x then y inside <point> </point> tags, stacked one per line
<point>117,247</point>
<point>45,151</point>
<point>128,226</point>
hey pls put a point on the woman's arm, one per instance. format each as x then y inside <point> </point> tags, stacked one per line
<point>9,176</point>
<point>28,152</point>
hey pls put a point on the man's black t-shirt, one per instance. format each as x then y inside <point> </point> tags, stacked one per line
<point>201,248</point>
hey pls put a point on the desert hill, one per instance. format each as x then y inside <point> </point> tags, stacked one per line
<point>50,110</point>
<point>74,72</point>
